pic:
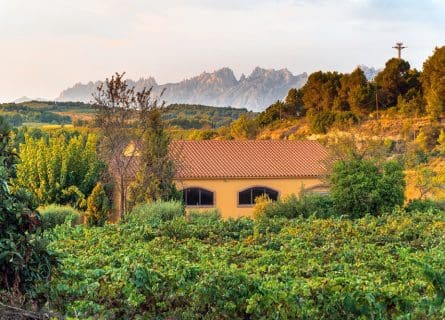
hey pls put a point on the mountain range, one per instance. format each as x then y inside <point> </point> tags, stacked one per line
<point>219,88</point>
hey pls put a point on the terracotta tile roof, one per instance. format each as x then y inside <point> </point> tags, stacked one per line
<point>248,159</point>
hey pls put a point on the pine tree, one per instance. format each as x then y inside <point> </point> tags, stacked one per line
<point>433,82</point>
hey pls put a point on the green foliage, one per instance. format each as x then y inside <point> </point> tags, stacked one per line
<point>320,122</point>
<point>360,187</point>
<point>355,93</point>
<point>424,205</point>
<point>60,170</point>
<point>154,213</point>
<point>202,135</point>
<point>189,116</point>
<point>49,112</point>
<point>292,107</point>
<point>320,91</point>
<point>244,128</point>
<point>433,82</point>
<point>239,269</point>
<point>98,206</point>
<point>25,262</point>
<point>393,81</point>
<point>55,215</point>
<point>154,179</point>
<point>307,205</point>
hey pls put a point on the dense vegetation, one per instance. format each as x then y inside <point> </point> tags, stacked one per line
<point>359,252</point>
<point>25,262</point>
<point>161,264</point>
<point>200,117</point>
<point>42,112</point>
<point>176,116</point>
<point>59,168</point>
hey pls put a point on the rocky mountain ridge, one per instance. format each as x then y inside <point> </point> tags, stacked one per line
<point>219,88</point>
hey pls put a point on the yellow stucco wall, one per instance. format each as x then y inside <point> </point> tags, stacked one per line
<point>226,191</point>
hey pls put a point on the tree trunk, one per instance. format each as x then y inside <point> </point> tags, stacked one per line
<point>122,204</point>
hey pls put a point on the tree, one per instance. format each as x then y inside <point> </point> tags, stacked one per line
<point>122,114</point>
<point>425,180</point>
<point>244,128</point>
<point>98,206</point>
<point>272,113</point>
<point>355,93</point>
<point>320,91</point>
<point>294,106</point>
<point>25,262</point>
<point>393,81</point>
<point>59,168</point>
<point>433,82</point>
<point>360,186</point>
<point>154,180</point>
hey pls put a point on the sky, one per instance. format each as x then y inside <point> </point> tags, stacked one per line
<point>49,45</point>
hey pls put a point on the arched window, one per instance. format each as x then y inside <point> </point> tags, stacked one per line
<point>198,197</point>
<point>248,196</point>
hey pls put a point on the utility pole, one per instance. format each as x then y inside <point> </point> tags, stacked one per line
<point>399,47</point>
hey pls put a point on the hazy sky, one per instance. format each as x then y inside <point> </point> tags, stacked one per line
<point>48,45</point>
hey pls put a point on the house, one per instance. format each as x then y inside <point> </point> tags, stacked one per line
<point>230,175</point>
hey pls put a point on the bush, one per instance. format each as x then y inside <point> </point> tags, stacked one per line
<point>309,204</point>
<point>98,206</point>
<point>54,215</point>
<point>344,119</point>
<point>360,187</point>
<point>155,213</point>
<point>204,216</point>
<point>423,205</point>
<point>321,122</point>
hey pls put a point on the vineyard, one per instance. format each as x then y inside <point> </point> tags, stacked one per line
<point>163,264</point>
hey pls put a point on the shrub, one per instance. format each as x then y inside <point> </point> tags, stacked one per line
<point>344,119</point>
<point>155,213</point>
<point>423,205</point>
<point>360,187</point>
<point>321,122</point>
<point>54,215</point>
<point>308,204</point>
<point>204,216</point>
<point>98,206</point>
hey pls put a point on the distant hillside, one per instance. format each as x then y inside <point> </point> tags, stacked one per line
<point>220,88</point>
<point>198,116</point>
<point>180,116</point>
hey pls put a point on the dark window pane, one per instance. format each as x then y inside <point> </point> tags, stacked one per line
<point>206,198</point>
<point>272,194</point>
<point>249,196</point>
<point>257,192</point>
<point>245,197</point>
<point>198,197</point>
<point>192,197</point>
